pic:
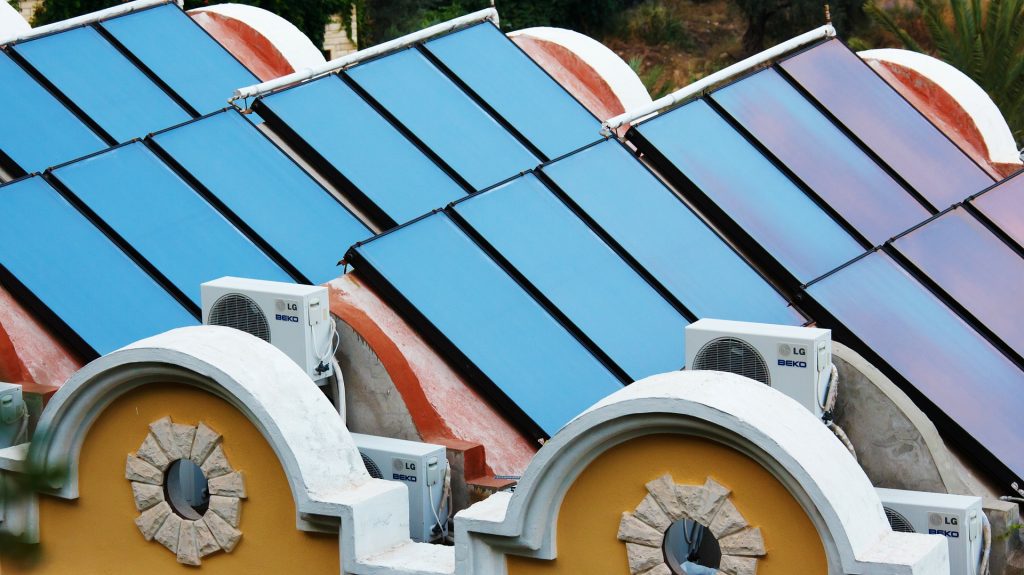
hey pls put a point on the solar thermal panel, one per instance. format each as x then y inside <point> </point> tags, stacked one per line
<point>101,82</point>
<point>503,338</point>
<point>81,277</point>
<point>635,210</point>
<point>385,173</point>
<point>579,274</point>
<point>887,124</point>
<point>267,190</point>
<point>821,155</point>
<point>1003,205</point>
<point>36,130</point>
<point>181,54</point>
<point>515,87</point>
<point>164,219</point>
<point>444,117</point>
<point>705,157</point>
<point>974,267</point>
<point>939,355</point>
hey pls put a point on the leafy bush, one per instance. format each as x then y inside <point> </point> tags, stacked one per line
<point>771,21</point>
<point>654,22</point>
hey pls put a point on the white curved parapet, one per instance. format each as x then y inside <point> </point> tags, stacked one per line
<point>11,21</point>
<point>971,97</point>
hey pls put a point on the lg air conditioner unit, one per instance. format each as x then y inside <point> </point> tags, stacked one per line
<point>955,517</point>
<point>422,467</point>
<point>794,360</point>
<point>294,318</point>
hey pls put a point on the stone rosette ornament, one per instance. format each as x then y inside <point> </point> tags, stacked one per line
<point>190,539</point>
<point>643,530</point>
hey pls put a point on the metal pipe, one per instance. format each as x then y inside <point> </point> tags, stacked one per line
<point>87,19</point>
<point>356,57</point>
<point>609,126</point>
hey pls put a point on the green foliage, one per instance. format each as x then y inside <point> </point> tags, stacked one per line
<point>653,78</point>
<point>771,21</point>
<point>985,41</point>
<point>655,22</point>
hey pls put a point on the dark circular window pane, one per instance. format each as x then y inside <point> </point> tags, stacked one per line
<point>691,549</point>
<point>186,490</point>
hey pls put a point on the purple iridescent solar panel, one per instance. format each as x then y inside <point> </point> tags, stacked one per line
<point>871,109</point>
<point>973,266</point>
<point>821,155</point>
<point>934,350</point>
<point>1004,206</point>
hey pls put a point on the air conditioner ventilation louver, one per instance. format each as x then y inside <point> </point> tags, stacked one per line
<point>898,522</point>
<point>240,312</point>
<point>733,356</point>
<point>371,467</point>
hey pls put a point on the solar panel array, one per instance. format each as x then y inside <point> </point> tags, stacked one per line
<point>555,266</point>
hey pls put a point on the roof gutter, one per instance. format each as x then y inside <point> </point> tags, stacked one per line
<point>365,54</point>
<point>87,19</point>
<point>609,126</point>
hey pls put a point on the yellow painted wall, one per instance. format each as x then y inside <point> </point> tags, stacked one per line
<point>588,520</point>
<point>97,533</point>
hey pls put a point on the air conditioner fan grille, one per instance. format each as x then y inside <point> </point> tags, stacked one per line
<point>898,522</point>
<point>240,312</point>
<point>733,356</point>
<point>371,467</point>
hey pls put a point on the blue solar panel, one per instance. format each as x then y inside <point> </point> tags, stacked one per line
<point>36,130</point>
<point>818,153</point>
<point>440,114</point>
<point>164,219</point>
<point>267,190</point>
<point>650,223</point>
<point>102,82</point>
<point>523,354</point>
<point>959,372</point>
<point>181,54</point>
<point>575,270</point>
<point>78,273</point>
<point>382,165</point>
<point>701,147</point>
<point>517,89</point>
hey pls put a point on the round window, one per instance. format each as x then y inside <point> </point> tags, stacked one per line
<point>691,549</point>
<point>186,489</point>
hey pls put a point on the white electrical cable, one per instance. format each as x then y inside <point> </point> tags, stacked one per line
<point>986,540</point>
<point>445,492</point>
<point>829,407</point>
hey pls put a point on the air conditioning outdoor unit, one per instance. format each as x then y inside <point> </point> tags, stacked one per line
<point>956,517</point>
<point>794,360</point>
<point>422,467</point>
<point>294,318</point>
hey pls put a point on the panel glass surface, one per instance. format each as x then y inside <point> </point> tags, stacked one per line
<point>36,130</point>
<point>181,54</point>
<point>376,158</point>
<point>1004,206</point>
<point>165,220</point>
<point>79,274</point>
<point>754,193</point>
<point>636,210</point>
<point>528,356</point>
<point>577,271</point>
<point>886,123</point>
<point>517,89</point>
<point>818,153</point>
<point>930,346</point>
<point>102,82</point>
<point>441,115</point>
<point>974,267</point>
<point>268,191</point>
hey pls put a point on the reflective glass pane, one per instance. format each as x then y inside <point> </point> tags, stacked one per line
<point>734,175</point>
<point>524,353</point>
<point>181,54</point>
<point>102,82</point>
<point>267,190</point>
<point>974,267</point>
<point>575,270</point>
<point>886,123</point>
<point>165,220</point>
<point>79,274</point>
<point>388,169</point>
<point>517,89</point>
<point>933,349</point>
<point>36,130</point>
<point>632,206</point>
<point>1004,206</point>
<point>441,115</point>
<point>818,153</point>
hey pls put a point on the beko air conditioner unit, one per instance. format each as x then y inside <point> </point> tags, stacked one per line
<point>422,467</point>
<point>294,318</point>
<point>794,360</point>
<point>955,517</point>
